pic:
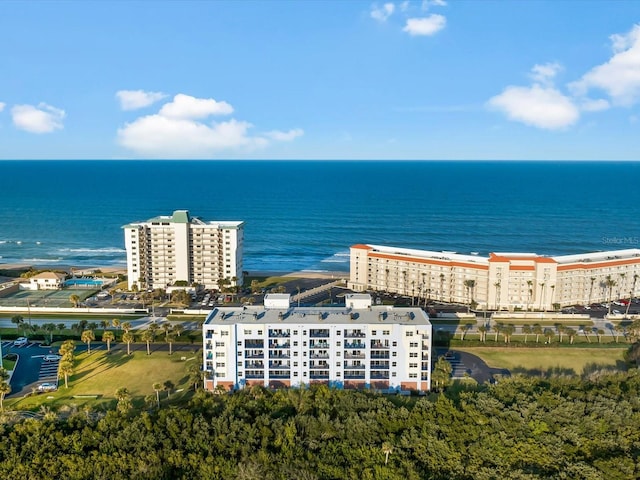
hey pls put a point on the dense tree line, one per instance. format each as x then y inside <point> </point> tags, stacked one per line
<point>521,428</point>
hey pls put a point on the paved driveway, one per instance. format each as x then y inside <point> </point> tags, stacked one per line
<point>464,364</point>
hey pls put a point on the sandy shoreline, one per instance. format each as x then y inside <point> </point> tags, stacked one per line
<point>84,270</point>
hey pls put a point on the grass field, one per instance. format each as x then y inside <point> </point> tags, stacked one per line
<point>536,360</point>
<point>98,375</point>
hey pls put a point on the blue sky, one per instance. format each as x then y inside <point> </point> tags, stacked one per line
<point>320,80</point>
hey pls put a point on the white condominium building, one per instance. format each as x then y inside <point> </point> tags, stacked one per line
<point>167,249</point>
<point>356,346</point>
<point>511,281</point>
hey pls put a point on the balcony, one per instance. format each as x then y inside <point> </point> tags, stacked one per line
<point>256,354</point>
<point>278,366</point>
<point>253,344</point>
<point>354,367</point>
<point>279,345</point>
<point>425,356</point>
<point>356,355</point>
<point>278,374</point>
<point>354,375</point>
<point>209,355</point>
<point>253,365</point>
<point>323,345</point>
<point>251,375</point>
<point>323,375</point>
<point>425,376</point>
<point>319,333</point>
<point>279,334</point>
<point>319,366</point>
<point>279,354</point>
<point>379,355</point>
<point>319,355</point>
<point>380,375</point>
<point>379,346</point>
<point>380,367</point>
<point>354,334</point>
<point>209,346</point>
<point>354,345</point>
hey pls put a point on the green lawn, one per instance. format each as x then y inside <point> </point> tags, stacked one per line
<point>549,358</point>
<point>100,374</point>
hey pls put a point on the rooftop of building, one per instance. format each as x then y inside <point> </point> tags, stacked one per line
<point>610,255</point>
<point>383,315</point>
<point>183,216</point>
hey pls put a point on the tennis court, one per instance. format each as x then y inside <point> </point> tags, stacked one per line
<point>45,298</point>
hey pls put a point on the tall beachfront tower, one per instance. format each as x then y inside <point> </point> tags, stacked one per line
<point>168,249</point>
<point>357,346</point>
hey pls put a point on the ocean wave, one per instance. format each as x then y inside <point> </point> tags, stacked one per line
<point>42,260</point>
<point>333,260</point>
<point>93,250</point>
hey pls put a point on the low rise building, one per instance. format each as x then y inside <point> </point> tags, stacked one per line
<point>47,281</point>
<point>509,281</point>
<point>358,346</point>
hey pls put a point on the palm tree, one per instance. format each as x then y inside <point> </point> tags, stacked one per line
<point>67,348</point>
<point>124,399</point>
<point>483,332</point>
<point>537,330</point>
<point>128,339</point>
<point>441,287</point>
<point>74,299</point>
<point>153,328</point>
<point>404,281</point>
<point>542,296</point>
<point>626,313</point>
<point>549,334</point>
<point>19,321</point>
<point>498,330</point>
<point>599,333</point>
<point>104,324</point>
<point>571,333</point>
<point>386,449</point>
<point>108,337</point>
<point>507,331</point>
<point>157,386</point>
<point>115,323</point>
<point>168,386</point>
<point>126,326</point>
<point>619,330</point>
<point>553,289</point>
<point>170,338</point>
<point>526,330</point>
<point>65,368</point>
<point>593,279</point>
<point>529,284</point>
<point>609,283</point>
<point>386,279</point>
<point>561,329</point>
<point>497,285</point>
<point>178,329</point>
<point>87,337</point>
<point>469,284</point>
<point>147,336</point>
<point>5,389</point>
<point>49,328</point>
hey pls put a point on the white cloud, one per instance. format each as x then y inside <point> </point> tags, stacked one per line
<point>135,99</point>
<point>539,106</point>
<point>620,76</point>
<point>382,13</point>
<point>185,106</point>
<point>41,119</point>
<point>285,136</point>
<point>404,6</point>
<point>589,105</point>
<point>426,4</point>
<point>545,73</point>
<point>425,26</point>
<point>2,105</point>
<point>178,130</point>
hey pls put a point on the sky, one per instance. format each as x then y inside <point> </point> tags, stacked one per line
<point>406,80</point>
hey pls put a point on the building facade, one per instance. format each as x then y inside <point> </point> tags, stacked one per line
<point>363,346</point>
<point>167,249</point>
<point>509,281</point>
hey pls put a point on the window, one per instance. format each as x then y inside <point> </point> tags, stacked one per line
<point>239,344</point>
<point>338,332</point>
<point>295,344</point>
<point>295,374</point>
<point>338,344</point>
<point>295,332</point>
<point>219,354</point>
<point>247,332</point>
<point>413,365</point>
<point>393,364</point>
<point>304,364</point>
<point>413,375</point>
<point>413,355</point>
<point>393,374</point>
<point>337,354</point>
<point>239,364</point>
<point>295,354</point>
<point>220,364</point>
<point>224,333</point>
<point>385,332</point>
<point>338,374</point>
<point>259,332</point>
<point>395,344</point>
<point>374,332</point>
<point>337,364</point>
<point>295,364</point>
<point>219,344</point>
<point>413,345</point>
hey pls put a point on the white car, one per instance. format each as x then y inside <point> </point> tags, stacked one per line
<point>52,358</point>
<point>20,341</point>
<point>47,387</point>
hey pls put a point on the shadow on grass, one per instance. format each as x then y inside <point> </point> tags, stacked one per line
<point>588,371</point>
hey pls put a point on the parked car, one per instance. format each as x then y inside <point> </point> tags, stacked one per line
<point>20,341</point>
<point>52,358</point>
<point>47,387</point>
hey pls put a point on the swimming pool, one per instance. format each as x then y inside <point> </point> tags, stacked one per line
<point>83,282</point>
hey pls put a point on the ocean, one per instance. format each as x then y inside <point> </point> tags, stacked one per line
<point>304,215</point>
